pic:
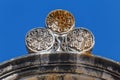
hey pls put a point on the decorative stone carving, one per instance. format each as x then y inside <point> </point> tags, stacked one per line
<point>39,39</point>
<point>80,40</point>
<point>58,55</point>
<point>59,35</point>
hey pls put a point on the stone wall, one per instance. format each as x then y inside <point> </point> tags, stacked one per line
<point>62,66</point>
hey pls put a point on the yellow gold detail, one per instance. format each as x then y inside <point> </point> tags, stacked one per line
<point>60,21</point>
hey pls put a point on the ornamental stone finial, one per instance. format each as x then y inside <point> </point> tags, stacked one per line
<point>59,36</point>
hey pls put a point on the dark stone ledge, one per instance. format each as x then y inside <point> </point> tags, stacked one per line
<point>62,63</point>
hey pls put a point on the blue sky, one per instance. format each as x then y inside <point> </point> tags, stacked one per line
<point>17,17</point>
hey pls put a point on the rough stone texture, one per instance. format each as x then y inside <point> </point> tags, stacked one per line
<point>62,66</point>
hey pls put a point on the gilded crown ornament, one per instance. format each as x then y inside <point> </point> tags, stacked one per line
<point>59,36</point>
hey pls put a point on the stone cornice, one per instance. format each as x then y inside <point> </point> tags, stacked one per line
<point>36,64</point>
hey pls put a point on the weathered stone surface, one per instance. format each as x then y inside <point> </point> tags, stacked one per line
<point>62,66</point>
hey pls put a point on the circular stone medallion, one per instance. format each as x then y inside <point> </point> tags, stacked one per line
<point>39,39</point>
<point>60,21</point>
<point>80,40</point>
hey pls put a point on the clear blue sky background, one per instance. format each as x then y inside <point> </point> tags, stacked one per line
<point>17,17</point>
